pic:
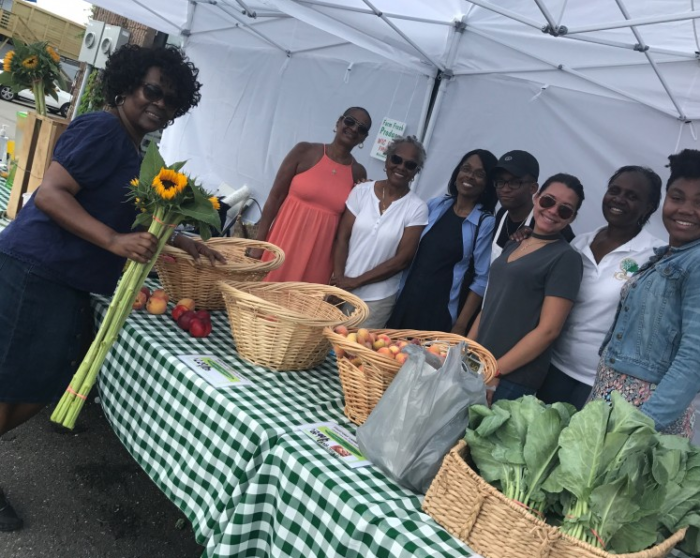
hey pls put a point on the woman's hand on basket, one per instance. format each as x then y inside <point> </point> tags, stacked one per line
<point>140,246</point>
<point>197,249</point>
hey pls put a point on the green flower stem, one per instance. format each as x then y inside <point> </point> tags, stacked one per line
<point>70,405</point>
<point>39,97</point>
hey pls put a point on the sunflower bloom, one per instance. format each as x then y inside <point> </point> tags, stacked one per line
<point>31,62</point>
<point>6,66</point>
<point>215,203</point>
<point>53,54</point>
<point>169,183</point>
<point>134,182</point>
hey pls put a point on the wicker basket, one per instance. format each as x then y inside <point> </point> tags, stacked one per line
<point>182,277</point>
<point>363,388</point>
<point>496,527</point>
<point>280,325</point>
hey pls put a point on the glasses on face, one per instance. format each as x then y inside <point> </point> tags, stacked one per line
<point>361,128</point>
<point>155,93</point>
<point>500,183</point>
<point>564,211</point>
<point>407,163</point>
<point>479,174</point>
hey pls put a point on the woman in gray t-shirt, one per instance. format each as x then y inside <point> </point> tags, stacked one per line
<point>532,286</point>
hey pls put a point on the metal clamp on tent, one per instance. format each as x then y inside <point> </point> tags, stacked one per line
<point>555,31</point>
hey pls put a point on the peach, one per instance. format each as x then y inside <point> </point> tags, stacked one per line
<point>341,330</point>
<point>435,349</point>
<point>402,344</point>
<point>140,302</point>
<point>156,305</point>
<point>394,349</point>
<point>385,351</point>
<point>187,303</point>
<point>339,353</point>
<point>352,337</point>
<point>401,358</point>
<point>160,293</point>
<point>384,337</point>
<point>379,344</point>
<point>368,344</point>
<point>362,335</point>
<point>372,336</point>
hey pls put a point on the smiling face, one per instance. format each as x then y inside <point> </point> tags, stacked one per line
<point>349,133</point>
<point>627,200</point>
<point>145,115</point>
<point>548,220</point>
<point>471,178</point>
<point>681,212</point>
<point>397,174</point>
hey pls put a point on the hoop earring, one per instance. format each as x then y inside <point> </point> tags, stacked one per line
<point>118,100</point>
<point>361,145</point>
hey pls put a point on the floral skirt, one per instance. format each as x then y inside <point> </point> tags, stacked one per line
<point>637,391</point>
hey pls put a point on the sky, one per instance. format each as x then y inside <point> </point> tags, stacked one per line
<point>76,10</point>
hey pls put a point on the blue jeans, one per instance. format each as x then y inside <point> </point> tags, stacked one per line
<point>558,386</point>
<point>510,390</point>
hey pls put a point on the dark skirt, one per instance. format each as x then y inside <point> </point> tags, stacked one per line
<point>45,329</point>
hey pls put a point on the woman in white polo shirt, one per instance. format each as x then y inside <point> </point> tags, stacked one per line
<point>380,230</point>
<point>610,256</point>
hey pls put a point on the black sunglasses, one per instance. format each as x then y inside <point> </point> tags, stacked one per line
<point>155,93</point>
<point>407,163</point>
<point>564,211</point>
<point>361,128</point>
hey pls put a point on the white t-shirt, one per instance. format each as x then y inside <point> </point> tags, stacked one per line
<point>375,237</point>
<point>576,350</point>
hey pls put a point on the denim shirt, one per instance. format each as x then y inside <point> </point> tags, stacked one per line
<point>656,333</point>
<point>437,207</point>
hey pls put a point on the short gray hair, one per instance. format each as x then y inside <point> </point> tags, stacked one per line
<point>410,140</point>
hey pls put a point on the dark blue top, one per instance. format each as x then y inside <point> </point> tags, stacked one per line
<point>97,152</point>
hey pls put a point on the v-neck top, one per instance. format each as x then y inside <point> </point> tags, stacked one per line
<point>375,236</point>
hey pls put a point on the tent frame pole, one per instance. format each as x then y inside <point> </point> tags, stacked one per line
<point>225,7</point>
<point>506,13</point>
<point>370,12</point>
<point>694,14</point>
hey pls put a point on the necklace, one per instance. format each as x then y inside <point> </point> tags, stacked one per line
<point>530,245</point>
<point>383,206</point>
<point>544,236</point>
<point>508,233</point>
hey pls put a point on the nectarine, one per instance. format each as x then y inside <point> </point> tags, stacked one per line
<point>341,330</point>
<point>385,351</point>
<point>156,305</point>
<point>401,358</point>
<point>140,302</point>
<point>187,303</point>
<point>362,335</point>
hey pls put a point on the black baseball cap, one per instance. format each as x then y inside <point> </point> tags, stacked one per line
<point>519,163</point>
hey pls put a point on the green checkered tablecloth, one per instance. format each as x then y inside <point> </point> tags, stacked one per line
<point>207,448</point>
<point>4,199</point>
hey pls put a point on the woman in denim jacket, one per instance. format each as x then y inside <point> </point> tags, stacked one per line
<point>651,355</point>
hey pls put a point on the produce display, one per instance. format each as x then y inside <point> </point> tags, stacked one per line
<point>603,474</point>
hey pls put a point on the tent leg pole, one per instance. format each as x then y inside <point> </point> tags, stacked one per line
<point>426,108</point>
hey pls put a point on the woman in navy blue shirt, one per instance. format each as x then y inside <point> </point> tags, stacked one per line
<point>74,235</point>
<point>443,288</point>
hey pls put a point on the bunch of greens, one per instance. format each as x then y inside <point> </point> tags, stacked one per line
<point>603,474</point>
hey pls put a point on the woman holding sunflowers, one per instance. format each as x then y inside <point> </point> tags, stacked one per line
<point>73,236</point>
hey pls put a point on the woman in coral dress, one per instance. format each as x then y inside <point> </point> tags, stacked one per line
<point>302,213</point>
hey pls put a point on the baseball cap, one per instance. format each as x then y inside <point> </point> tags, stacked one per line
<point>519,163</point>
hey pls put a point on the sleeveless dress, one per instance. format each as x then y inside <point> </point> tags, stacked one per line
<point>308,220</point>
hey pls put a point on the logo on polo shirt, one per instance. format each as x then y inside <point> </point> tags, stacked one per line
<point>628,267</point>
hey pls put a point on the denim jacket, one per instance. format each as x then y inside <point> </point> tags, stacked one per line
<point>437,207</point>
<point>656,333</point>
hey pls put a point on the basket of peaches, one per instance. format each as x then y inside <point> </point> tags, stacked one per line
<point>368,360</point>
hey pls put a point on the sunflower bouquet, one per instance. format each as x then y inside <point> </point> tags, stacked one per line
<point>165,198</point>
<point>35,66</point>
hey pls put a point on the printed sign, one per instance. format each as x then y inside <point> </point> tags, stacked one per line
<point>214,370</point>
<point>388,130</point>
<point>337,441</point>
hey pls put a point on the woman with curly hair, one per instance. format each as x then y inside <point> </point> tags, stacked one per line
<point>73,236</point>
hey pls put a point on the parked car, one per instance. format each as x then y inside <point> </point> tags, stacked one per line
<point>52,105</point>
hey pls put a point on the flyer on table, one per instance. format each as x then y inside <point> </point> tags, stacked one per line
<point>337,441</point>
<point>214,370</point>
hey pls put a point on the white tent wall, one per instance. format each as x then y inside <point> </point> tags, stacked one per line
<point>568,131</point>
<point>258,103</point>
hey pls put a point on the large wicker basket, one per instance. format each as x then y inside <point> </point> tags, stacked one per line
<point>280,325</point>
<point>183,277</point>
<point>496,527</point>
<point>364,387</point>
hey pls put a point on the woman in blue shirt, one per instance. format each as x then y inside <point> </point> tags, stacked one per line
<point>651,352</point>
<point>443,288</point>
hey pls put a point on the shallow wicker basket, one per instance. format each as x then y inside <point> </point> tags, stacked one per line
<point>280,325</point>
<point>496,527</point>
<point>363,388</point>
<point>182,277</point>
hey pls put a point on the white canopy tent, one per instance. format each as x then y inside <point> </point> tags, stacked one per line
<point>584,86</point>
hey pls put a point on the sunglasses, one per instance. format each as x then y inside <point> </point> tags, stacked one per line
<point>155,93</point>
<point>361,128</point>
<point>564,211</point>
<point>499,183</point>
<point>407,163</point>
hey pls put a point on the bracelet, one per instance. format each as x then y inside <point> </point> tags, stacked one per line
<point>172,238</point>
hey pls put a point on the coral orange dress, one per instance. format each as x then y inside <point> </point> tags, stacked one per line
<point>308,220</point>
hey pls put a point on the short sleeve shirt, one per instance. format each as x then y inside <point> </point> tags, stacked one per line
<point>375,237</point>
<point>515,297</point>
<point>97,152</point>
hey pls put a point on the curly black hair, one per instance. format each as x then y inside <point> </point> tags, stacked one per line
<point>653,181</point>
<point>127,67</point>
<point>685,164</point>
<point>488,197</point>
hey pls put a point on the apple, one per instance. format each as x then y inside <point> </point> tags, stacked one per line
<point>178,311</point>
<point>203,315</point>
<point>341,330</point>
<point>187,303</point>
<point>140,302</point>
<point>160,293</point>
<point>401,358</point>
<point>199,328</point>
<point>362,336</point>
<point>156,305</point>
<point>185,320</point>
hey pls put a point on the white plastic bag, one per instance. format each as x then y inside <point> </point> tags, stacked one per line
<point>421,416</point>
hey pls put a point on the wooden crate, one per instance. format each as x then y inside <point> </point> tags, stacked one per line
<point>34,156</point>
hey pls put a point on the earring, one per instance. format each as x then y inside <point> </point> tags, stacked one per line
<point>335,129</point>
<point>361,145</point>
<point>118,100</point>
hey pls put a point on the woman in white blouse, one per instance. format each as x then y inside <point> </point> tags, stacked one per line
<point>380,230</point>
<point>610,256</point>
